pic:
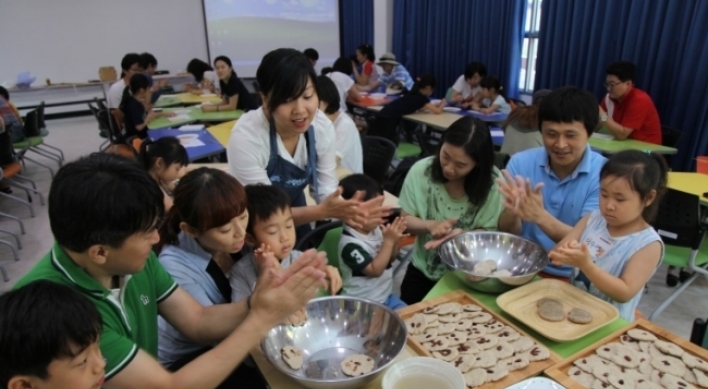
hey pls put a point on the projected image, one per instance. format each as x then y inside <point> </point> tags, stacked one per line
<point>245,30</point>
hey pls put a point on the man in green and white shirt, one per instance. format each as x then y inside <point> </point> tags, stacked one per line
<point>103,212</point>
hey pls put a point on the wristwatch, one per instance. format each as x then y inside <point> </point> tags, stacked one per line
<point>603,118</point>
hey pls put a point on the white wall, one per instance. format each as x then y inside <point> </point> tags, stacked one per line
<point>383,26</point>
<point>68,40</point>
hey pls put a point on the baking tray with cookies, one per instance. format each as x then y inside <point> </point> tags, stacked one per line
<point>557,310</point>
<point>641,355</point>
<point>490,351</point>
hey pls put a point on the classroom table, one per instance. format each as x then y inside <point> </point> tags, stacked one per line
<point>194,114</point>
<point>613,146</point>
<point>693,183</point>
<point>222,132</point>
<point>442,121</point>
<point>211,145</point>
<point>186,98</point>
<point>450,283</point>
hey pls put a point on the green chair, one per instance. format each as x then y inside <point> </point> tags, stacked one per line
<point>325,238</point>
<point>406,149</point>
<point>43,132</point>
<point>678,222</point>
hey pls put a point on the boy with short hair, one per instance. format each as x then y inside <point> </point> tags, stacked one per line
<point>49,339</point>
<point>130,65</point>
<point>366,253</point>
<point>149,64</point>
<point>466,89</point>
<point>271,232</point>
<point>312,55</point>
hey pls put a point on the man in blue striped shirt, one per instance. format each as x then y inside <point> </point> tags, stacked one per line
<point>393,71</point>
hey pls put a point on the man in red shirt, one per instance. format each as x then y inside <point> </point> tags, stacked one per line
<point>626,111</point>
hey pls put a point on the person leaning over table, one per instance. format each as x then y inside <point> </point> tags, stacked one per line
<point>392,71</point>
<point>233,92</point>
<point>466,89</point>
<point>104,211</point>
<point>446,194</point>
<point>207,80</point>
<point>548,189</point>
<point>628,112</point>
<point>290,143</point>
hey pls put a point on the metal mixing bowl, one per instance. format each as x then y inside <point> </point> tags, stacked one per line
<point>522,257</point>
<point>338,327</point>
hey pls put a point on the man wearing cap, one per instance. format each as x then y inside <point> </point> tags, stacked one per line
<point>393,71</point>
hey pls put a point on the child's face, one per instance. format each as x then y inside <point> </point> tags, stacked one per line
<point>84,371</point>
<point>360,56</point>
<point>278,232</point>
<point>371,224</point>
<point>474,80</point>
<point>228,238</point>
<point>486,92</point>
<point>620,204</point>
<point>427,91</point>
<point>169,173</point>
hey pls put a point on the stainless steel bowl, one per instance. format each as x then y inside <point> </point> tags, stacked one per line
<point>522,257</point>
<point>338,327</point>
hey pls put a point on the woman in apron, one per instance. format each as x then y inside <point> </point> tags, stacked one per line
<point>289,143</point>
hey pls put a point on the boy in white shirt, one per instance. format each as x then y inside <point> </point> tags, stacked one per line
<point>466,89</point>
<point>130,64</point>
<point>366,253</point>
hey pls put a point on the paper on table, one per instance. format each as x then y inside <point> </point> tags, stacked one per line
<point>178,118</point>
<point>182,111</point>
<point>603,136</point>
<point>191,142</point>
<point>192,127</point>
<point>497,133</point>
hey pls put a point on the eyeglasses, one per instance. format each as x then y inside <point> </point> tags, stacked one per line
<point>610,85</point>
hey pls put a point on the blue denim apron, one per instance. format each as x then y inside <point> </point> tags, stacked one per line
<point>292,179</point>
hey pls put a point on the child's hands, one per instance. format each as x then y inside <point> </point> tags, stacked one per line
<point>265,258</point>
<point>393,232</point>
<point>335,279</point>
<point>572,254</point>
<point>441,228</point>
<point>442,103</point>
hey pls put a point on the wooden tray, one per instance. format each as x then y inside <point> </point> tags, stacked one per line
<point>459,296</point>
<point>521,304</point>
<point>559,372</point>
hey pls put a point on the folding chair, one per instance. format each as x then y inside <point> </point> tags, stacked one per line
<point>378,153</point>
<point>43,132</point>
<point>678,222</point>
<point>33,139</point>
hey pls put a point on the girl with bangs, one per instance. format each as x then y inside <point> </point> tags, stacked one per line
<point>289,143</point>
<point>201,238</point>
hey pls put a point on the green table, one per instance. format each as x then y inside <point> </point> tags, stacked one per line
<point>450,283</point>
<point>615,146</point>
<point>167,101</point>
<point>194,115</point>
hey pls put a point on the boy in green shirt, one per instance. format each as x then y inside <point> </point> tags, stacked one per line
<point>104,211</point>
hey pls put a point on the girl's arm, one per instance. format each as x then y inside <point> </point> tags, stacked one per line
<point>574,234</point>
<point>229,105</point>
<point>435,108</point>
<point>489,110</point>
<point>361,78</point>
<point>637,273</point>
<point>353,94</point>
<point>152,115</point>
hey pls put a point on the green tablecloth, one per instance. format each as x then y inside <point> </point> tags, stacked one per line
<point>195,115</point>
<point>615,146</point>
<point>167,101</point>
<point>450,283</point>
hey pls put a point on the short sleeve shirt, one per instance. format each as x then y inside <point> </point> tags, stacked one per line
<point>568,200</point>
<point>134,112</point>
<point>115,94</point>
<point>130,320</point>
<point>637,111</point>
<point>348,144</point>
<point>399,73</point>
<point>403,105</point>
<point>428,200</point>
<point>461,86</point>
<point>235,87</point>
<point>356,252</point>
<point>343,83</point>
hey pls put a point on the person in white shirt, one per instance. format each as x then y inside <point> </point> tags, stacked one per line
<point>347,141</point>
<point>289,143</point>
<point>493,99</point>
<point>130,64</point>
<point>341,75</point>
<point>204,74</point>
<point>466,89</point>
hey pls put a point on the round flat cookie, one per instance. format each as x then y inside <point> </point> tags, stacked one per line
<point>439,343</point>
<point>448,308</point>
<point>694,363</point>
<point>482,318</point>
<point>493,326</point>
<point>669,381</point>
<point>433,309</point>
<point>537,353</point>
<point>524,343</point>
<point>463,325</point>
<point>633,374</point>
<point>669,365</point>
<point>544,300</point>
<point>669,348</point>
<point>645,366</point>
<point>608,350</point>
<point>602,372</point>
<point>701,377</point>
<point>464,363</point>
<point>579,316</point>
<point>581,377</point>
<point>428,336</point>
<point>641,335</point>
<point>416,324</point>
<point>625,357</point>
<point>497,373</point>
<point>447,328</point>
<point>587,364</point>
<point>503,350</point>
<point>656,376</point>
<point>432,324</point>
<point>451,318</point>
<point>471,308</point>
<point>598,384</point>
<point>485,359</point>
<point>292,357</point>
<point>469,315</point>
<point>476,331</point>
<point>648,385</point>
<point>690,377</point>
<point>630,342</point>
<point>447,355</point>
<point>456,338</point>
<point>551,311</point>
<point>517,362</point>
<point>502,273</point>
<point>650,348</point>
<point>508,335</point>
<point>485,342</point>
<point>484,268</point>
<point>430,318</point>
<point>467,348</point>
<point>357,364</point>
<point>621,381</point>
<point>475,378</point>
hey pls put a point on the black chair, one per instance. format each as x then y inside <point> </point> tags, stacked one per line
<point>429,142</point>
<point>382,127</point>
<point>670,137</point>
<point>378,153</point>
<point>102,132</point>
<point>678,222</point>
<point>315,237</point>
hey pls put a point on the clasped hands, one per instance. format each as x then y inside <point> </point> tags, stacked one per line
<point>520,198</point>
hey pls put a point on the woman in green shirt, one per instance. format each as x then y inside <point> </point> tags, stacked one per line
<point>446,194</point>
